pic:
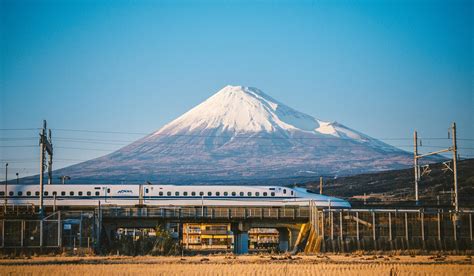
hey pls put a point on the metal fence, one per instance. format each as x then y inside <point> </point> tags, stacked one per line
<point>31,233</point>
<point>340,230</point>
<point>365,229</point>
<point>79,229</point>
<point>59,230</point>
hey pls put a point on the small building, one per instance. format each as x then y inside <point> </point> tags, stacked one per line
<point>207,236</point>
<point>220,236</point>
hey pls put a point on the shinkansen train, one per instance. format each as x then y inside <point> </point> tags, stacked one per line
<point>166,195</point>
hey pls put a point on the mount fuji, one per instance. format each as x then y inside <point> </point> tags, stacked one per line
<point>242,135</point>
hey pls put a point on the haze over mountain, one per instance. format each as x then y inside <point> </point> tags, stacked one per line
<point>242,135</point>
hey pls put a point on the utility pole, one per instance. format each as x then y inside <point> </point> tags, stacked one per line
<point>46,147</point>
<point>50,160</point>
<point>320,185</point>
<point>64,178</point>
<point>140,195</point>
<point>454,149</point>
<point>6,187</point>
<point>415,159</point>
<point>6,174</point>
<point>455,171</point>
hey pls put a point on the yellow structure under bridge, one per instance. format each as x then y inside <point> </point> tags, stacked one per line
<point>220,236</point>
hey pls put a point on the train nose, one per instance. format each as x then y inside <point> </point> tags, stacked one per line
<point>344,203</point>
<point>332,202</point>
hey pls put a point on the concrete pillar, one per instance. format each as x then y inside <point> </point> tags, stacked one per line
<point>241,242</point>
<point>180,232</point>
<point>283,239</point>
<point>241,238</point>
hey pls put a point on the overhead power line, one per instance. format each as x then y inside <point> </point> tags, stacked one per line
<point>22,146</point>
<point>180,144</point>
<point>84,148</point>
<point>216,136</point>
<point>18,129</point>
<point>100,131</point>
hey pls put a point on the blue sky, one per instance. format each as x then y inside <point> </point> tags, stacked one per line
<point>381,67</point>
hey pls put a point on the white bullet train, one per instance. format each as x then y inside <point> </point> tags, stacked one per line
<point>166,195</point>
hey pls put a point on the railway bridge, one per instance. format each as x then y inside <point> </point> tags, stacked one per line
<point>300,228</point>
<point>287,220</point>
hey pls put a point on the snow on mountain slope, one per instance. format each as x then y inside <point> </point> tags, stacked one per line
<point>247,110</point>
<point>240,134</point>
<point>240,109</point>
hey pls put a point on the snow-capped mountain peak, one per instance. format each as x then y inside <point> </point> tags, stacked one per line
<point>242,134</point>
<point>242,109</point>
<point>233,108</point>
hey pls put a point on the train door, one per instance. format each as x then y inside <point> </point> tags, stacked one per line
<point>143,194</point>
<point>147,190</point>
<point>106,192</point>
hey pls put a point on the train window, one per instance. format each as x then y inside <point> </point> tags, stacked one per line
<point>257,193</point>
<point>168,193</point>
<point>63,193</point>
<point>46,193</point>
<point>37,193</point>
<point>55,193</point>
<point>209,193</point>
<point>272,194</point>
<point>226,193</point>
<point>108,190</point>
<point>272,189</point>
<point>201,193</point>
<point>264,193</point>
<point>160,193</point>
<point>291,192</point>
<point>241,193</point>
<point>234,193</point>
<point>89,193</point>
<point>71,193</point>
<point>2,193</point>
<point>80,193</point>
<point>185,193</point>
<point>176,193</point>
<point>146,191</point>
<point>218,193</point>
<point>10,193</point>
<point>20,193</point>
<point>249,193</point>
<point>97,193</point>
<point>284,191</point>
<point>28,193</point>
<point>193,193</point>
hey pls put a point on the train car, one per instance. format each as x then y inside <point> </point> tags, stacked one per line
<point>166,195</point>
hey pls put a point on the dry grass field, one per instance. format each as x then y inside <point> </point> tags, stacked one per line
<point>241,265</point>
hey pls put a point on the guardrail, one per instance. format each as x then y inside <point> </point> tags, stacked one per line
<point>205,213</point>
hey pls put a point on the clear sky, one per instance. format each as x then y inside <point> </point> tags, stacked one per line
<point>381,67</point>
